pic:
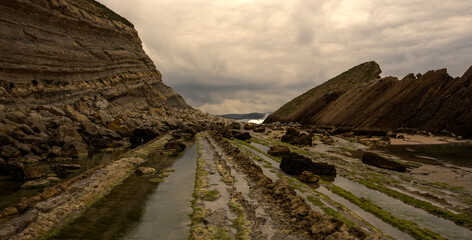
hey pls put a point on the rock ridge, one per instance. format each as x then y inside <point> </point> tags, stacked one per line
<point>434,102</point>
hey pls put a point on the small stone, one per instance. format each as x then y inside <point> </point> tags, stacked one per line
<point>53,179</point>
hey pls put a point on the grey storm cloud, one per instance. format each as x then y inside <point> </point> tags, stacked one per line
<point>254,56</point>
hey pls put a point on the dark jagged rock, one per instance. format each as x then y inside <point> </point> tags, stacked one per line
<point>295,164</point>
<point>358,98</point>
<point>242,136</point>
<point>381,162</point>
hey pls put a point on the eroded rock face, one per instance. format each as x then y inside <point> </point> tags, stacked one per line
<point>431,102</point>
<point>376,160</point>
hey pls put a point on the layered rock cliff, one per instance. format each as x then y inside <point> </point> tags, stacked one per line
<point>359,98</point>
<point>60,50</point>
<point>74,76</point>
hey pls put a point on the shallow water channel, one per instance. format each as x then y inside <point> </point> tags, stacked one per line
<point>140,209</point>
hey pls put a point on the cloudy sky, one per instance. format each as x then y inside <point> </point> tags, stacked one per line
<point>228,56</point>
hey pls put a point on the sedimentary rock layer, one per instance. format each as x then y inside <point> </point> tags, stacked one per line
<point>56,51</point>
<point>359,98</point>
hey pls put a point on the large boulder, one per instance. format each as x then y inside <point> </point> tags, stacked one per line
<point>295,164</point>
<point>242,136</point>
<point>279,150</point>
<point>376,160</point>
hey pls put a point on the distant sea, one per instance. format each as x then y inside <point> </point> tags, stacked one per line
<point>256,118</point>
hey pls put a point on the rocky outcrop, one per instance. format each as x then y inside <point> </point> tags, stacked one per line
<point>360,99</point>
<point>74,76</point>
<point>63,50</point>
